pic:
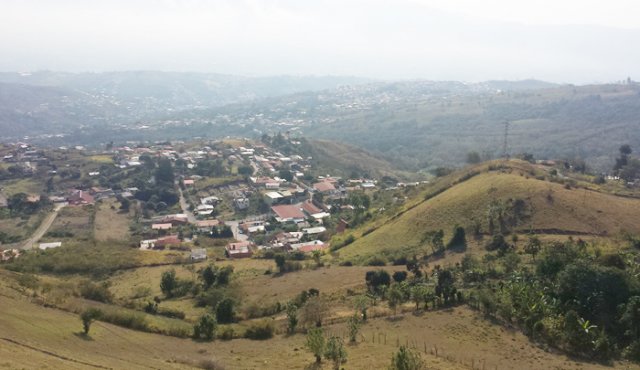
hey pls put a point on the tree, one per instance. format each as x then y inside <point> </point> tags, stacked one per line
<point>396,297</point>
<point>209,275</point>
<point>88,316</point>
<point>168,282</point>
<point>285,175</point>
<point>315,310</point>
<point>376,280</point>
<point>361,304</point>
<point>245,171</point>
<point>406,359</point>
<point>354,327</point>
<point>631,318</point>
<point>315,343</point>
<point>533,246</point>
<point>205,327</point>
<point>164,173</point>
<point>459,239</point>
<point>224,311</point>
<point>124,204</point>
<point>435,239</point>
<point>445,287</point>
<point>335,352</point>
<point>418,294</point>
<point>292,317</point>
<point>399,276</point>
<point>281,262</point>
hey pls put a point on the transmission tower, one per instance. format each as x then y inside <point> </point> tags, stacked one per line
<point>505,145</point>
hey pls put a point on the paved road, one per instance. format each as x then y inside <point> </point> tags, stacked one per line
<point>42,229</point>
<point>185,208</point>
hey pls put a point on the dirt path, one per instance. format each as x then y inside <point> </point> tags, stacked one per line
<point>42,229</point>
<point>185,208</point>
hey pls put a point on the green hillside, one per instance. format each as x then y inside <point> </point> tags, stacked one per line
<point>518,195</point>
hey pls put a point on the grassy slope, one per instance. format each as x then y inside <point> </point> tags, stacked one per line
<point>566,211</point>
<point>32,336</point>
<point>332,156</point>
<point>37,337</point>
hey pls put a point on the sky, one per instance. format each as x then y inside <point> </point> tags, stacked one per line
<point>567,41</point>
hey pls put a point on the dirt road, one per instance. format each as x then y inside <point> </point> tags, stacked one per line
<point>42,229</point>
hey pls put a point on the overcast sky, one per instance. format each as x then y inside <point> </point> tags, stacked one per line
<point>577,41</point>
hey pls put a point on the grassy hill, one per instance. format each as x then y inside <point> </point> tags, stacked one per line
<point>333,156</point>
<point>527,201</point>
<point>32,336</point>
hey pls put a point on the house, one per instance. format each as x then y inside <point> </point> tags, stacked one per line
<point>3,201</point>
<point>198,254</point>
<point>252,227</point>
<point>207,225</point>
<point>241,203</point>
<point>314,230</point>
<point>324,187</point>
<point>315,245</point>
<point>288,213</point>
<point>272,197</point>
<point>204,209</point>
<point>166,226</point>
<point>80,197</point>
<point>44,246</point>
<point>166,241</point>
<point>188,182</point>
<point>239,250</point>
<point>175,219</point>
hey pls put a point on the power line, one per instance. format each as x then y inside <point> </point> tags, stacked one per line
<point>506,140</point>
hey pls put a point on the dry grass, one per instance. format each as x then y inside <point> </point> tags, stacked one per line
<point>111,224</point>
<point>554,209</point>
<point>33,336</point>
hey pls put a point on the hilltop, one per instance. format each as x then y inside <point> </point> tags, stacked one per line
<point>522,194</point>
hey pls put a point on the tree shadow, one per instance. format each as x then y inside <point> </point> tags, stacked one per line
<point>83,336</point>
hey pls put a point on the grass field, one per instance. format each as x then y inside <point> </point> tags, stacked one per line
<point>551,208</point>
<point>103,159</point>
<point>28,186</point>
<point>36,337</point>
<point>110,223</point>
<point>73,224</point>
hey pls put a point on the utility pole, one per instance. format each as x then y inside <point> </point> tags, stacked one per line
<point>505,145</point>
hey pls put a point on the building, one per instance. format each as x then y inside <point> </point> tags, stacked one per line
<point>207,225</point>
<point>198,254</point>
<point>80,197</point>
<point>239,250</point>
<point>288,213</point>
<point>45,246</point>
<point>166,226</point>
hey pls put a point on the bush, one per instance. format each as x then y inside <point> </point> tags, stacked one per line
<point>260,330</point>
<point>376,261</point>
<point>131,320</point>
<point>205,327</point>
<point>171,313</point>
<point>96,292</point>
<point>227,333</point>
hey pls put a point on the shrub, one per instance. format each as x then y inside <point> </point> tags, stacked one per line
<point>96,292</point>
<point>227,333</point>
<point>171,313</point>
<point>205,327</point>
<point>376,261</point>
<point>260,330</point>
<point>126,319</point>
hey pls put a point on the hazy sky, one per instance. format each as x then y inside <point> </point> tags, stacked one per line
<point>576,41</point>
